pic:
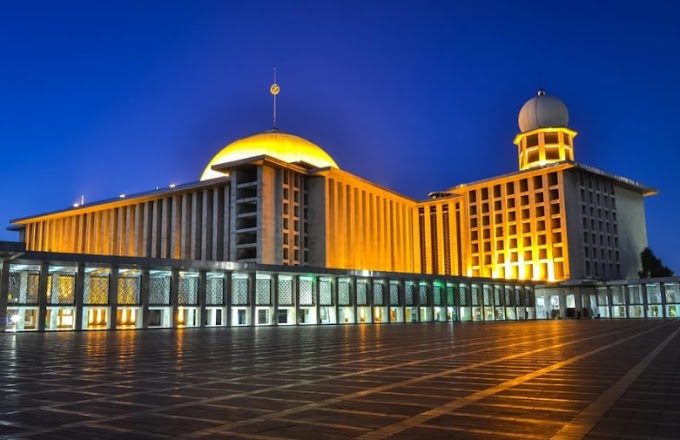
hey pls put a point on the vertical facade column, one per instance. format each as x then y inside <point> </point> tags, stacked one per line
<point>353,298</point>
<point>429,285</point>
<point>609,301</point>
<point>416,300</point>
<point>4,292</point>
<point>401,289</point>
<point>227,299</point>
<point>275,298</point>
<point>662,291</point>
<point>174,297</point>
<point>296,298</point>
<point>42,295</point>
<point>113,297</point>
<point>316,291</point>
<point>251,297</point>
<point>334,299</point>
<point>202,289</point>
<point>144,294</point>
<point>370,303</point>
<point>79,295</point>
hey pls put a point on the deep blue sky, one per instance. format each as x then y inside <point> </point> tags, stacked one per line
<point>103,98</point>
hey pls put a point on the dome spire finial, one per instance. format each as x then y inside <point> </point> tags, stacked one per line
<point>541,91</point>
<point>274,90</point>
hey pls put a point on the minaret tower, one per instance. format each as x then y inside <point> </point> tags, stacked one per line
<point>544,137</point>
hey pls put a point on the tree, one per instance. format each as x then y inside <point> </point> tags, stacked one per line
<point>652,267</point>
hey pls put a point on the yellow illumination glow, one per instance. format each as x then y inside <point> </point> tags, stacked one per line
<point>283,146</point>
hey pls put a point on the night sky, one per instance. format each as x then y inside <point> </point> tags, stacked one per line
<point>104,98</point>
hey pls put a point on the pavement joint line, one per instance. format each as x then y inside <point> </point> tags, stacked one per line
<point>180,377</point>
<point>585,421</point>
<point>420,419</point>
<point>316,405</point>
<point>287,386</point>
<point>480,341</point>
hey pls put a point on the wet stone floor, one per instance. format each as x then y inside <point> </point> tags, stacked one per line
<point>566,379</point>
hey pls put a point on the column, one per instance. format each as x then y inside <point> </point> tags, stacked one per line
<point>251,296</point>
<point>78,296</point>
<point>227,298</point>
<point>370,304</point>
<point>174,297</point>
<point>402,300</point>
<point>609,300</point>
<point>145,292</point>
<point>316,289</point>
<point>275,298</point>
<point>353,297</point>
<point>4,292</point>
<point>202,289</point>
<point>42,295</point>
<point>662,290</point>
<point>334,298</point>
<point>113,297</point>
<point>296,298</point>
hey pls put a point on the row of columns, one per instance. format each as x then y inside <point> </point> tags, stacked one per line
<point>145,286</point>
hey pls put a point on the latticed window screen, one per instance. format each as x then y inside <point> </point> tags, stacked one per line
<point>635,294</point>
<point>214,293</point>
<point>343,293</point>
<point>159,290</point>
<point>14,287</point>
<point>528,297</point>
<point>487,295</point>
<point>325,292</point>
<point>239,291</point>
<point>672,293</point>
<point>475,295</point>
<point>463,295</point>
<point>617,295</point>
<point>450,294</point>
<point>508,296</point>
<point>437,295</point>
<point>263,291</point>
<point>409,290</point>
<point>394,294</point>
<point>306,291</point>
<point>129,288</point>
<point>33,288</point>
<point>62,288</point>
<point>653,294</point>
<point>96,289</point>
<point>602,299</point>
<point>518,296</point>
<point>422,294</point>
<point>497,295</point>
<point>285,291</point>
<point>187,292</point>
<point>362,293</point>
<point>378,295</point>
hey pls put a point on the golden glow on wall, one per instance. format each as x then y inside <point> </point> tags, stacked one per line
<point>283,146</point>
<point>544,146</point>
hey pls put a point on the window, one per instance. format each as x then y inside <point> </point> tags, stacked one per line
<point>551,138</point>
<point>532,140</point>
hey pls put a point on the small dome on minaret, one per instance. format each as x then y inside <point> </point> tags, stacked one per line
<point>543,111</point>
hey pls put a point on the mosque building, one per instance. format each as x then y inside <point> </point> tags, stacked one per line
<point>275,233</point>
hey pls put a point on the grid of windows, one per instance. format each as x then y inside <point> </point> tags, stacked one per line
<point>600,231</point>
<point>515,228</point>
<point>294,219</point>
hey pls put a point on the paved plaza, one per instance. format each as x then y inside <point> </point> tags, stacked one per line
<point>595,379</point>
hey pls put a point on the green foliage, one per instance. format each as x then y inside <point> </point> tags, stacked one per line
<point>652,267</point>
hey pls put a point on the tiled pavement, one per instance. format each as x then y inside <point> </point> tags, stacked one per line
<point>596,379</point>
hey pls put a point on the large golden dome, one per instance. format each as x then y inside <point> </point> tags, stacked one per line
<point>283,146</point>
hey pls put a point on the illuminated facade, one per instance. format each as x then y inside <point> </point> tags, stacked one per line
<point>277,200</point>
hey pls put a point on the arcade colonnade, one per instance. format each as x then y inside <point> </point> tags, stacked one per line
<point>39,294</point>
<point>637,298</point>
